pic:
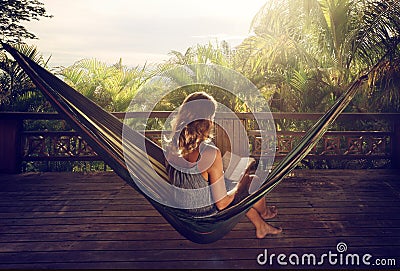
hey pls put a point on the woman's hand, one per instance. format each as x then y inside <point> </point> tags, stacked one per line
<point>244,185</point>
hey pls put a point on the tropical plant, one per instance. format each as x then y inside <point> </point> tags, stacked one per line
<point>384,93</point>
<point>110,86</point>
<point>220,55</point>
<point>315,48</point>
<point>17,92</point>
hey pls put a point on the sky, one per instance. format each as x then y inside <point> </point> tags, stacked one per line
<point>138,31</point>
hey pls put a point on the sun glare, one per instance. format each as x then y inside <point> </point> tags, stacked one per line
<point>137,30</point>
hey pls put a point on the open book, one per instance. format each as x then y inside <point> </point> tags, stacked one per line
<point>235,167</point>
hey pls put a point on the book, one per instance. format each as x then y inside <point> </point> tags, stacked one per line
<point>235,166</point>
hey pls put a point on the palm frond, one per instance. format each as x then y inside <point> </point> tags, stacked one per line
<point>378,31</point>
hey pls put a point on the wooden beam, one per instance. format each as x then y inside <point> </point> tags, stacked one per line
<point>9,145</point>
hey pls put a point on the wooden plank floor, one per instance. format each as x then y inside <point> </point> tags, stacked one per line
<point>70,220</point>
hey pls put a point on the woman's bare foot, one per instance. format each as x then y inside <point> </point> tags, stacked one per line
<point>271,212</point>
<point>265,229</point>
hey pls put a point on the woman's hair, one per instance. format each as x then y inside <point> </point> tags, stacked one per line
<point>192,124</point>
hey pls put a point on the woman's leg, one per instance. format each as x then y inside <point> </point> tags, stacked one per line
<point>261,205</point>
<point>264,211</point>
<point>258,211</point>
<point>262,228</point>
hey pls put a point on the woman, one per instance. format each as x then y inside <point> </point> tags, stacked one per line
<point>194,163</point>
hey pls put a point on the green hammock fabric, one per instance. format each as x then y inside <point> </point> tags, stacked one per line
<point>103,132</point>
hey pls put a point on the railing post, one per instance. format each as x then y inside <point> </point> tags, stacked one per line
<point>230,135</point>
<point>222,138</point>
<point>10,145</point>
<point>396,144</point>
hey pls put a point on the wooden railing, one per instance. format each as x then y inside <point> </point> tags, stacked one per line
<point>18,144</point>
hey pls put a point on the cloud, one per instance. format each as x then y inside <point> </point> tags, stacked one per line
<point>138,31</point>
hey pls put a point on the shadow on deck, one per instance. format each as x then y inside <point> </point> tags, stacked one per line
<point>67,220</point>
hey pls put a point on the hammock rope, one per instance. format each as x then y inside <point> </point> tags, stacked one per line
<point>103,132</point>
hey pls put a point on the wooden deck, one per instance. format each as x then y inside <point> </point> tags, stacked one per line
<point>67,220</point>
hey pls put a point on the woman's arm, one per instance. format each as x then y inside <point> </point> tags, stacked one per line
<point>216,178</point>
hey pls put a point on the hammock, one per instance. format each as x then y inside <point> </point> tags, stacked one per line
<point>103,132</point>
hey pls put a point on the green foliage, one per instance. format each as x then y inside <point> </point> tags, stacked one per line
<point>218,54</point>
<point>302,56</point>
<point>110,86</point>
<point>63,166</point>
<point>17,92</point>
<point>317,47</point>
<point>13,13</point>
<point>384,93</point>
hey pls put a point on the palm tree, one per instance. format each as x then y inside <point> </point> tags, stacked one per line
<point>220,55</point>
<point>299,47</point>
<point>111,86</point>
<point>17,92</point>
